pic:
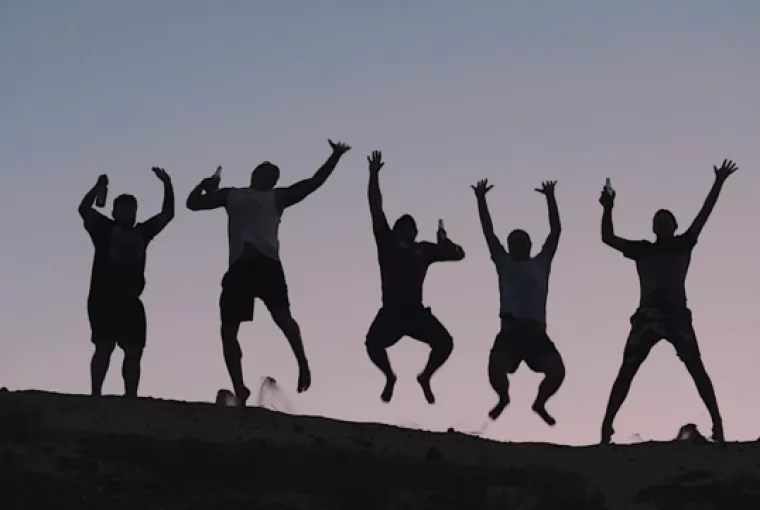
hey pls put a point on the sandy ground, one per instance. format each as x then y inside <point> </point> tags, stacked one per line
<point>631,476</point>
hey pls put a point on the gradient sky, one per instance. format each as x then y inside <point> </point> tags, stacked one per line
<point>648,93</point>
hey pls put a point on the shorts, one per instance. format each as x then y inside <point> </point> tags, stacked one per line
<point>650,325</point>
<point>118,320</point>
<point>391,324</point>
<point>247,279</point>
<point>523,340</point>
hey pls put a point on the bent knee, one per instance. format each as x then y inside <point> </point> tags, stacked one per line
<point>553,367</point>
<point>501,363</point>
<point>557,369</point>
<point>444,343</point>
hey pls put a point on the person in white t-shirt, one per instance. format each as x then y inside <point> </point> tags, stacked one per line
<point>255,270</point>
<point>523,289</point>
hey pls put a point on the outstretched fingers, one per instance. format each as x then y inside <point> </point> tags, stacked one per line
<point>482,187</point>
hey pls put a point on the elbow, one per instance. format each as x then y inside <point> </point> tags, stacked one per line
<point>192,203</point>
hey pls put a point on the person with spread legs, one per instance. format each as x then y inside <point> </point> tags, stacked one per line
<point>662,267</point>
<point>523,288</point>
<point>255,270</point>
<point>404,263</point>
<point>114,307</point>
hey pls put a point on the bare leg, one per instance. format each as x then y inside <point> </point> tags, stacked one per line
<point>130,370</point>
<point>425,327</point>
<point>289,327</point>
<point>440,352</point>
<point>705,388</point>
<point>379,356</point>
<point>554,375</point>
<point>497,376</point>
<point>618,394</point>
<point>232,358</point>
<point>101,359</point>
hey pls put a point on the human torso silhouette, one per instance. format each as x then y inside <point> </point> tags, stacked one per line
<point>662,267</point>
<point>253,223</point>
<point>524,285</point>
<point>120,253</point>
<point>402,269</point>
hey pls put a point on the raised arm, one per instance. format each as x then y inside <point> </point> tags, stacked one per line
<point>375,197</point>
<point>158,222</point>
<point>494,246</point>
<point>207,195</point>
<point>721,174</point>
<point>555,226</point>
<point>608,231</point>
<point>89,215</point>
<point>291,195</point>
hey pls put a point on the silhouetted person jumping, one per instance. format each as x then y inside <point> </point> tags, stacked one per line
<point>114,308</point>
<point>523,288</point>
<point>403,266</point>
<point>255,270</point>
<point>662,267</point>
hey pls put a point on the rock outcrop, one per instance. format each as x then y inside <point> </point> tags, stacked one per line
<point>75,452</point>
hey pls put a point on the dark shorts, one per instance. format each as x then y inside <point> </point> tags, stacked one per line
<point>650,325</point>
<point>247,279</point>
<point>393,323</point>
<point>523,340</point>
<point>118,320</point>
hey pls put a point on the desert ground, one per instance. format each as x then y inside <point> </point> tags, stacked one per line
<point>77,452</point>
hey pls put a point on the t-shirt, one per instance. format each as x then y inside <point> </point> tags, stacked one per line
<point>118,266</point>
<point>524,285</point>
<point>253,221</point>
<point>403,268</point>
<point>662,267</point>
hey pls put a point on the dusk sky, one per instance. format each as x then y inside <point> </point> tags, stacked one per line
<point>650,93</point>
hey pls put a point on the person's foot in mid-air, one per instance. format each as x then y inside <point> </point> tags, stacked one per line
<point>540,410</point>
<point>424,381</point>
<point>390,384</point>
<point>499,407</point>
<point>304,378</point>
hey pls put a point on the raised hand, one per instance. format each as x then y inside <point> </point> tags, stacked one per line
<point>727,168</point>
<point>102,180</point>
<point>481,188</point>
<point>606,199</point>
<point>375,161</point>
<point>547,188</point>
<point>161,174</point>
<point>339,148</point>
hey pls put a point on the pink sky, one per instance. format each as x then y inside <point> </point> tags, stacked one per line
<point>650,95</point>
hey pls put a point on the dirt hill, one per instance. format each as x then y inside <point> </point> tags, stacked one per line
<point>75,452</point>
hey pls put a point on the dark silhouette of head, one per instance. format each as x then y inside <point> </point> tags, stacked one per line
<point>125,210</point>
<point>405,229</point>
<point>265,176</point>
<point>519,244</point>
<point>664,224</point>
